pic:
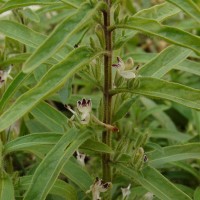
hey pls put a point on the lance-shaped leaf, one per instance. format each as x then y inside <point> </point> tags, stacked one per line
<point>60,188</point>
<point>155,182</point>
<point>96,146</point>
<point>164,62</point>
<point>158,12</point>
<point>50,82</point>
<point>162,117</point>
<point>189,7</point>
<point>123,109</point>
<point>157,88</point>
<point>61,35</point>
<point>16,83</point>
<point>6,187</point>
<point>168,33</point>
<point>54,120</point>
<point>174,153</point>
<point>77,175</point>
<point>12,4</point>
<point>189,66</point>
<point>31,141</point>
<point>50,167</point>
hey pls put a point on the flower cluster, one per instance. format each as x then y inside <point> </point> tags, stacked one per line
<point>125,69</point>
<point>97,187</point>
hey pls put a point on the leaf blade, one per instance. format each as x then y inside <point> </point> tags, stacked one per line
<point>59,36</point>
<point>49,83</point>
<point>53,163</point>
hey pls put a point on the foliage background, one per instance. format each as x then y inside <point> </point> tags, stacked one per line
<point>57,56</point>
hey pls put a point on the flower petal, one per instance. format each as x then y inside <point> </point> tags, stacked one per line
<point>85,118</point>
<point>129,74</point>
<point>129,64</point>
<point>120,65</point>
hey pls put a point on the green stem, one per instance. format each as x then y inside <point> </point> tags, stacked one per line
<point>106,135</point>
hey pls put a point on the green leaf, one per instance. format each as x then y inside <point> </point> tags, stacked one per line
<point>60,36</point>
<point>189,66</point>
<point>174,153</point>
<point>28,142</point>
<point>123,109</point>
<point>188,168</point>
<point>141,57</point>
<point>164,62</point>
<point>189,7</point>
<point>48,84</point>
<point>78,175</point>
<point>54,120</point>
<point>26,36</point>
<point>60,188</point>
<point>154,182</point>
<point>162,117</point>
<point>96,146</point>
<point>23,3</point>
<point>170,134</point>
<point>30,15</point>
<point>13,87</point>
<point>168,33</point>
<point>6,187</point>
<point>158,12</point>
<point>50,167</point>
<point>197,193</point>
<point>158,88</point>
<point>22,33</point>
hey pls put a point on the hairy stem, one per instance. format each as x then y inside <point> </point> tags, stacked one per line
<point>106,135</point>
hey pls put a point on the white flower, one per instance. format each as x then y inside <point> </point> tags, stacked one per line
<point>84,115</point>
<point>125,69</point>
<point>84,106</point>
<point>148,196</point>
<point>80,158</point>
<point>126,192</point>
<point>97,187</point>
<point>4,75</point>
